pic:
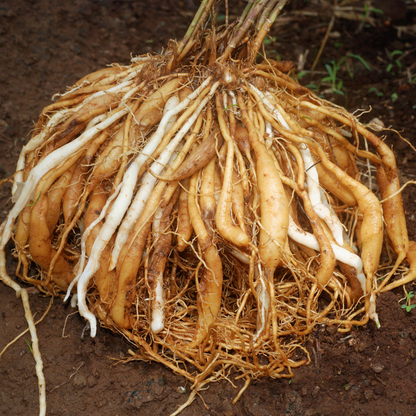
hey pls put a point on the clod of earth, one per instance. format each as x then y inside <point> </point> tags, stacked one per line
<point>206,206</point>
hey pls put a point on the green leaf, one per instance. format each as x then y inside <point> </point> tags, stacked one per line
<point>350,72</point>
<point>361,59</point>
<point>312,87</point>
<point>396,52</point>
<point>374,89</point>
<point>301,74</point>
<point>394,97</point>
<point>269,40</point>
<point>389,67</point>
<point>340,85</point>
<point>29,345</point>
<point>330,70</point>
<point>379,11</point>
<point>338,44</point>
<point>37,199</point>
<point>232,105</point>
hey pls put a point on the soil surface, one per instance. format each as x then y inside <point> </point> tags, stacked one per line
<point>48,45</point>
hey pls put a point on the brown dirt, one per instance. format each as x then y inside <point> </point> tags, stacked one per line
<point>47,45</point>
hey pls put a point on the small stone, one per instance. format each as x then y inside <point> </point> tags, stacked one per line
<point>379,390</point>
<point>377,367</point>
<point>348,386</point>
<point>368,394</point>
<point>91,381</point>
<point>294,405</point>
<point>101,403</point>
<point>355,393</point>
<point>413,336</point>
<point>99,349</point>
<point>3,125</point>
<point>316,390</point>
<point>87,350</point>
<point>352,342</point>
<point>403,334</point>
<point>360,347</point>
<point>304,391</point>
<point>331,329</point>
<point>79,381</point>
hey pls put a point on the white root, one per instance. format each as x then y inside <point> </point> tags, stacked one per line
<point>164,126</point>
<point>158,315</point>
<point>149,181</point>
<point>341,254</point>
<point>50,162</point>
<point>39,139</point>
<point>329,217</point>
<point>81,262</point>
<point>134,169</point>
<point>314,192</point>
<point>263,302</point>
<point>112,222</point>
<point>22,293</point>
<point>312,178</point>
<point>124,86</point>
<point>34,143</point>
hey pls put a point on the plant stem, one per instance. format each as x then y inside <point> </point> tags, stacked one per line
<point>197,22</point>
<point>243,30</point>
<point>266,13</point>
<point>246,11</point>
<point>265,27</point>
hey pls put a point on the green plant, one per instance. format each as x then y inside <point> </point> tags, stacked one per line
<point>37,199</point>
<point>269,40</point>
<point>408,306</point>
<point>394,97</point>
<point>29,345</point>
<point>376,90</point>
<point>368,10</point>
<point>365,18</point>
<point>396,62</point>
<point>333,68</point>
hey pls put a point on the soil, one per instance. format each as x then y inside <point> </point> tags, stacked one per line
<point>48,45</point>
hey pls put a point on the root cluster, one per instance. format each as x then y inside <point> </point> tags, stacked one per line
<point>210,209</point>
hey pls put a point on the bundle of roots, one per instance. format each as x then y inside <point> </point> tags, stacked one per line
<point>208,207</point>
